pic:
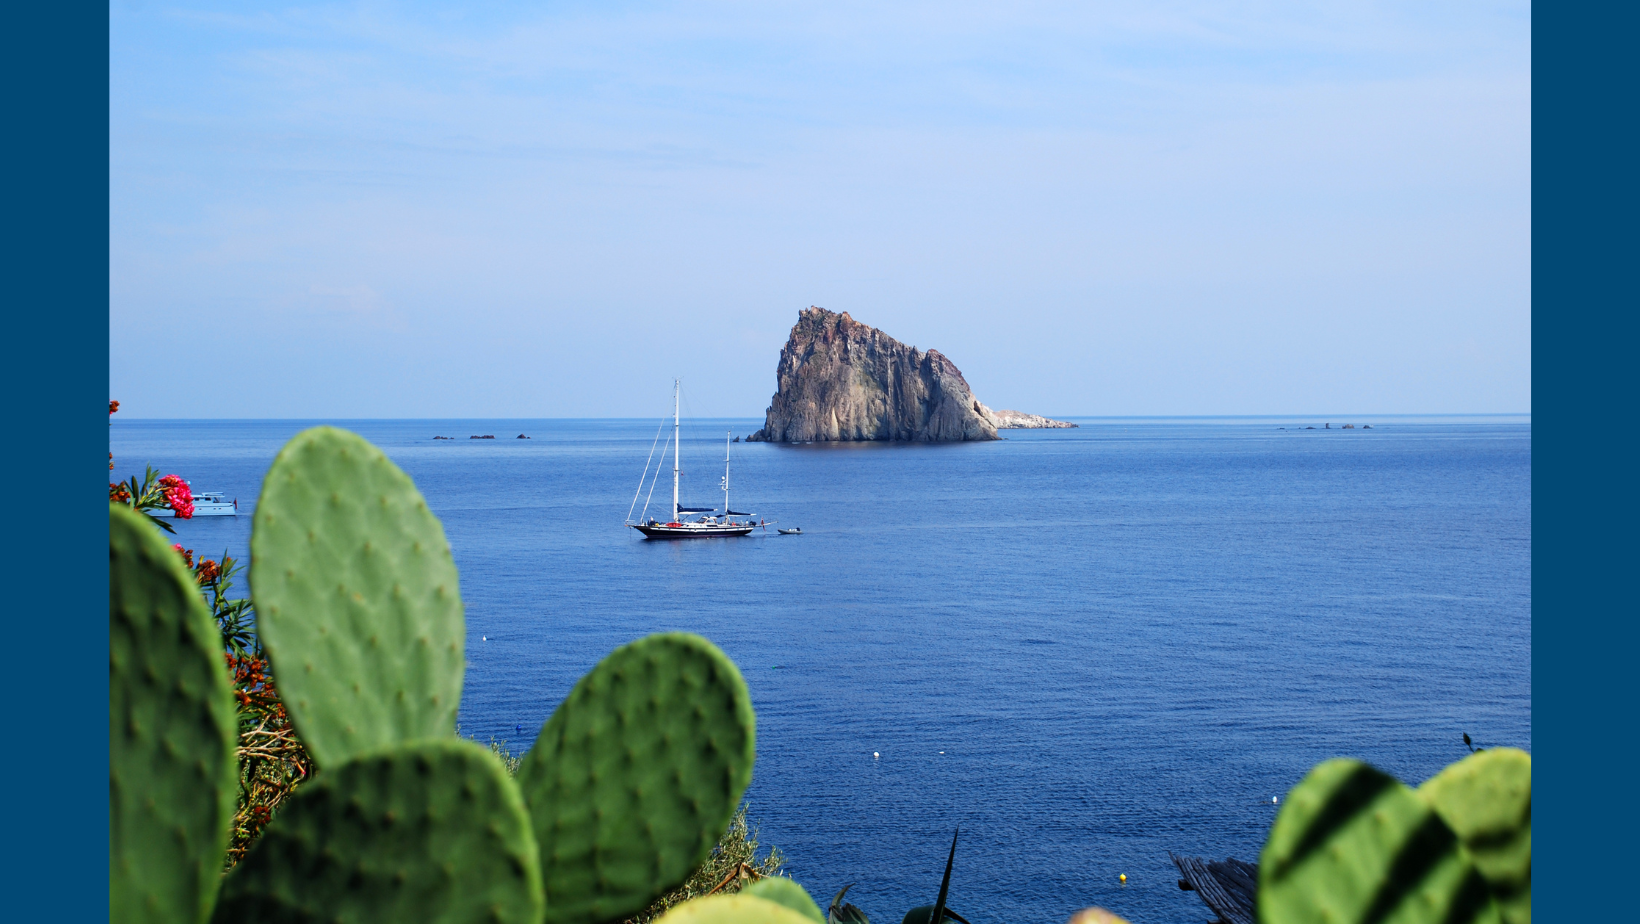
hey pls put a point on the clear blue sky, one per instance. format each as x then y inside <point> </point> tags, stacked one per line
<point>549,210</point>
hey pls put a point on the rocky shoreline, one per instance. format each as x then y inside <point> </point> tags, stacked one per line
<point>1019,420</point>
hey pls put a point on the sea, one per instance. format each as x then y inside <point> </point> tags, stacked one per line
<point>1083,648</point>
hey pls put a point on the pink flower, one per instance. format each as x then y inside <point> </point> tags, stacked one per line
<point>178,496</point>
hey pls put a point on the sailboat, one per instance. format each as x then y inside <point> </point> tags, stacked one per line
<point>678,527</point>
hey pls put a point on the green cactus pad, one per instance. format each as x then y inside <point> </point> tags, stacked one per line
<point>636,775</point>
<point>432,831</point>
<point>356,598</point>
<point>1486,799</point>
<point>1354,845</point>
<point>172,733</point>
<point>732,909</point>
<point>783,891</point>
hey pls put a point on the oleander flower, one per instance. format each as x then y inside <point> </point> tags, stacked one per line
<point>187,554</point>
<point>178,495</point>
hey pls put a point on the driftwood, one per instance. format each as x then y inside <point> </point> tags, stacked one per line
<point>1230,887</point>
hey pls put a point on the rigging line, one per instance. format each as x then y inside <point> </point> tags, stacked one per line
<point>645,474</point>
<point>684,398</point>
<point>658,466</point>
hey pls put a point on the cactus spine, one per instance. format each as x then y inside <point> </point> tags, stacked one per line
<point>1354,844</point>
<point>172,730</point>
<point>631,783</point>
<point>1486,799</point>
<point>636,774</point>
<point>357,598</point>
<point>432,831</point>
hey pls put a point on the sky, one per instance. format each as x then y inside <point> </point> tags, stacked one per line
<point>553,209</point>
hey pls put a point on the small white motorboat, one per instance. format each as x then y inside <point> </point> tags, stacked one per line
<point>794,531</point>
<point>206,504</point>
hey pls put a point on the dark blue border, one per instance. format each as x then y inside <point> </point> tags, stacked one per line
<point>1584,674</point>
<point>55,678</point>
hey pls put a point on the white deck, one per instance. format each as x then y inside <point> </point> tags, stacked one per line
<point>205,505</point>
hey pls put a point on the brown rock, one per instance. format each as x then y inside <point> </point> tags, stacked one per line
<point>843,381</point>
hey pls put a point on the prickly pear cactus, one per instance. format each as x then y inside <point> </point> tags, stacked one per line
<point>733,909</point>
<point>783,891</point>
<point>356,597</point>
<point>172,730</point>
<point>1486,799</point>
<point>1353,844</point>
<point>430,832</point>
<point>636,774</point>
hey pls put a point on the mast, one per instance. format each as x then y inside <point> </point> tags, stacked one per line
<point>677,444</point>
<point>726,474</point>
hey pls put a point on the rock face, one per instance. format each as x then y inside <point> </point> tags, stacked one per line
<point>843,381</point>
<point>1019,420</point>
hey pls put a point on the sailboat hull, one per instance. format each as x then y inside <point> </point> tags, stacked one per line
<point>690,531</point>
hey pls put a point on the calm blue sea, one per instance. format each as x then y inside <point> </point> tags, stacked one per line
<point>1085,647</point>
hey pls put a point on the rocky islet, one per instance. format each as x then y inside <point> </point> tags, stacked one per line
<point>839,380</point>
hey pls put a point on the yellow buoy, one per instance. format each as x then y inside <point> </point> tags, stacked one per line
<point>1123,877</point>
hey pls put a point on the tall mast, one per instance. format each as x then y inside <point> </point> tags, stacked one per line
<point>726,474</point>
<point>677,444</point>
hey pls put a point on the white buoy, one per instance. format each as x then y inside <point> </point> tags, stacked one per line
<point>942,752</point>
<point>485,637</point>
<point>874,755</point>
<point>1273,799</point>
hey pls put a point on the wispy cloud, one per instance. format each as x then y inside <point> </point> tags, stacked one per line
<point>591,170</point>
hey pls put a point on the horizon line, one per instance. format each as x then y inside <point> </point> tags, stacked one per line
<point>1323,415</point>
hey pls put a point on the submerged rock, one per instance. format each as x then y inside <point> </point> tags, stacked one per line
<point>843,381</point>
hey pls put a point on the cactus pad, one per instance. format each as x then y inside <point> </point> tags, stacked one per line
<point>172,731</point>
<point>432,831</point>
<point>1354,845</point>
<point>732,909</point>
<point>783,891</point>
<point>356,598</point>
<point>636,775</point>
<point>1486,799</point>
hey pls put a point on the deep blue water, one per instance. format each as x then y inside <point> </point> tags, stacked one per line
<point>1086,647</point>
